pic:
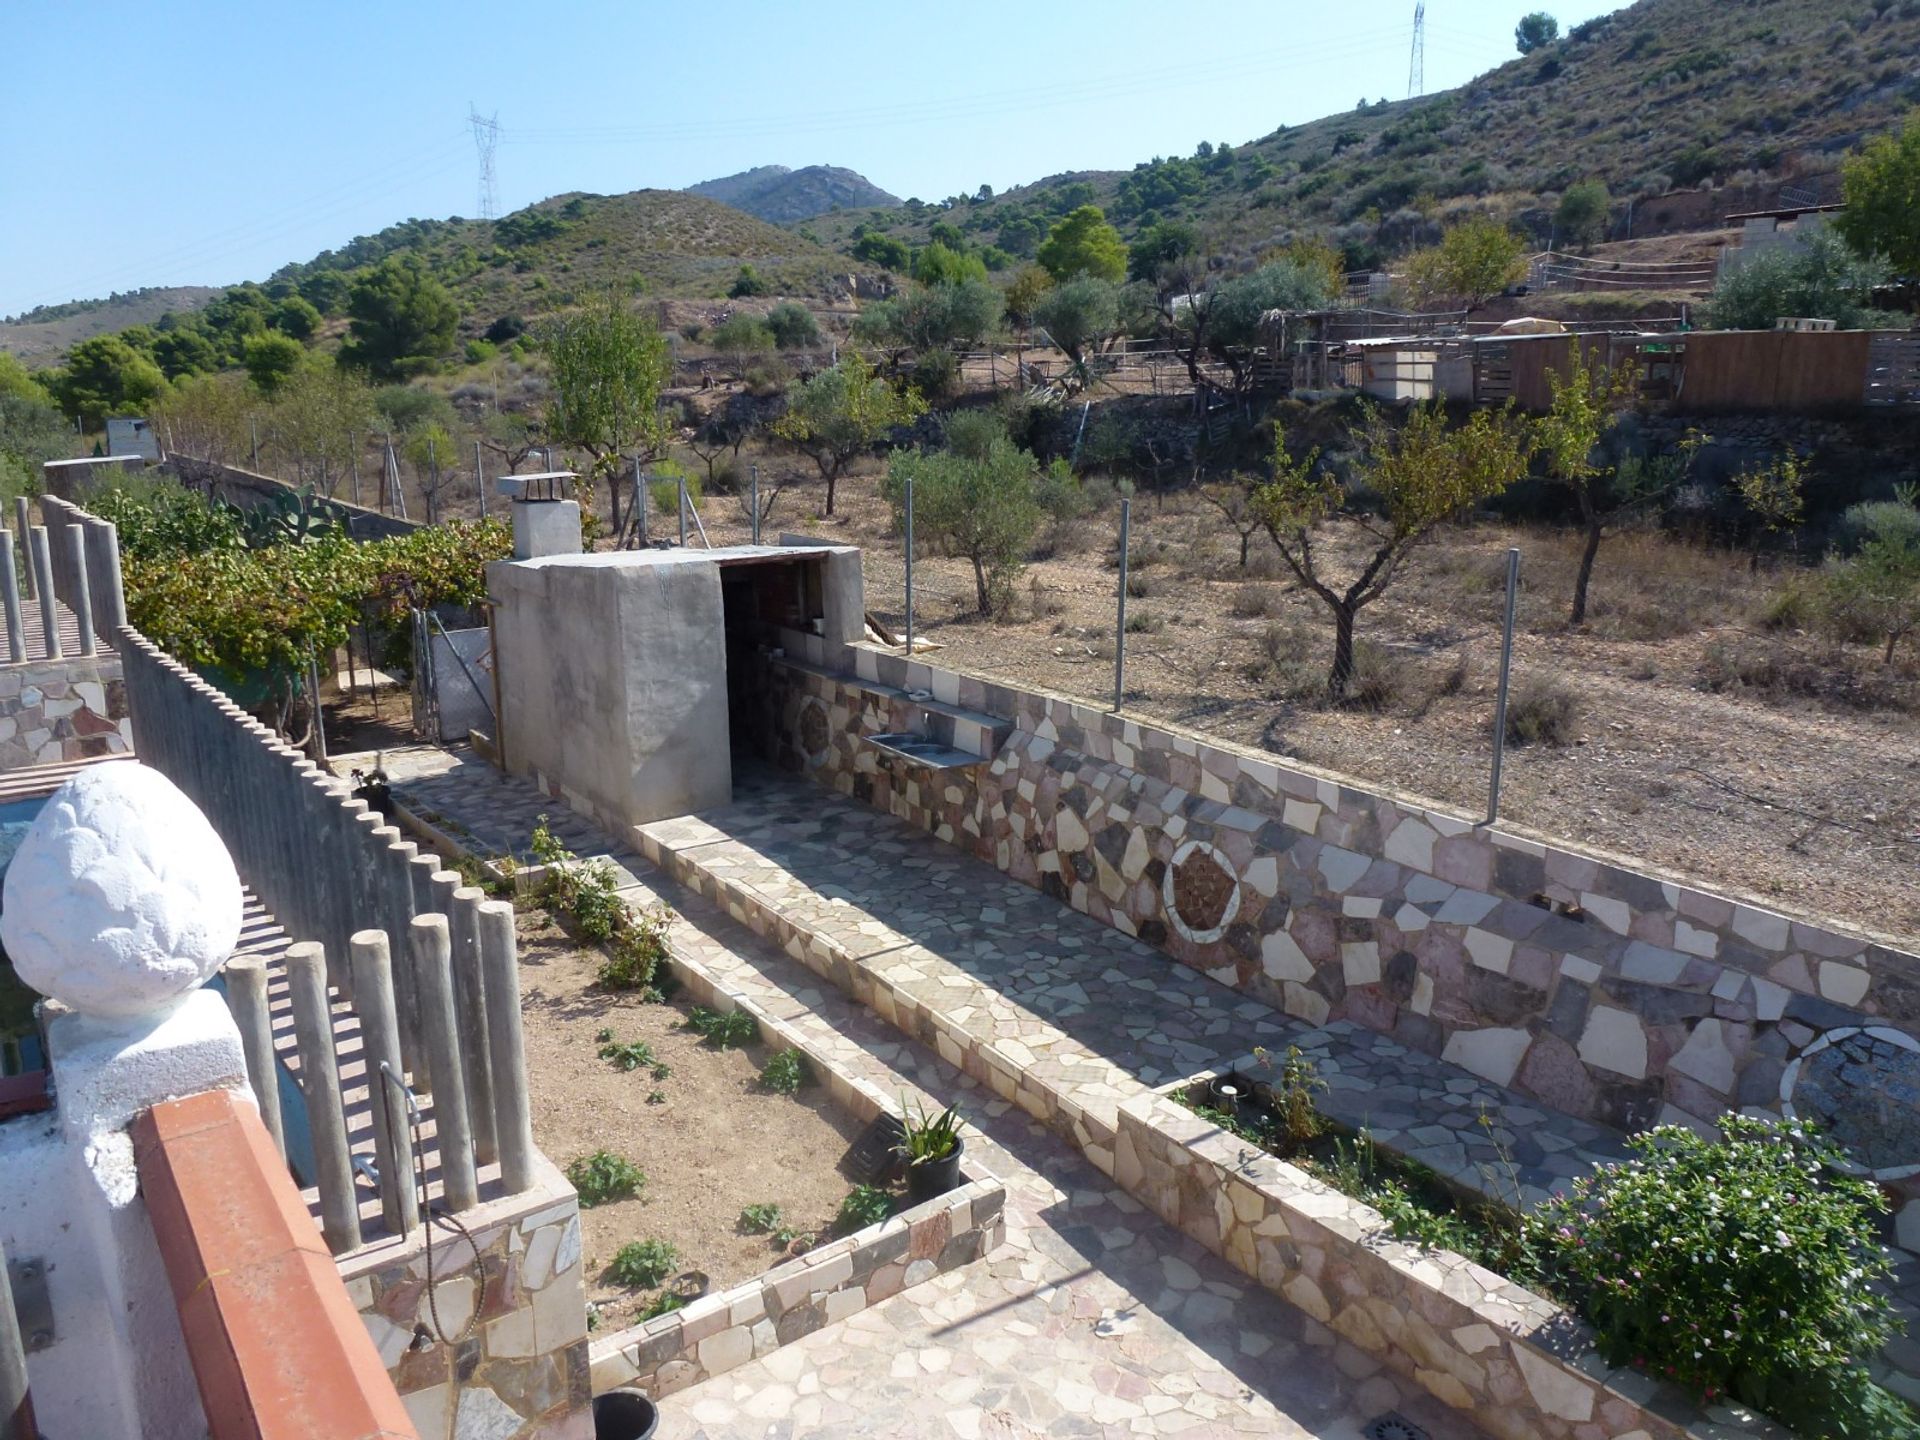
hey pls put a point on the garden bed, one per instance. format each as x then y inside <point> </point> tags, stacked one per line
<point>1519,1364</point>
<point>693,1116</point>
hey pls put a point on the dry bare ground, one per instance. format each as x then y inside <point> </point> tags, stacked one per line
<point>712,1143</point>
<point>1812,804</point>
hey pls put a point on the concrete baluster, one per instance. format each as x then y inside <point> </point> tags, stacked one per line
<point>470,1005</point>
<point>320,1083</point>
<point>23,520</point>
<point>16,1404</point>
<point>513,1118</point>
<point>10,596</point>
<point>421,868</point>
<point>380,1044</point>
<point>82,588</point>
<point>433,968</point>
<point>246,977</point>
<point>110,594</point>
<point>43,582</point>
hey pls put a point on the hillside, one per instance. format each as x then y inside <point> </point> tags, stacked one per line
<point>42,335</point>
<point>782,196</point>
<point>549,255</point>
<point>1669,95</point>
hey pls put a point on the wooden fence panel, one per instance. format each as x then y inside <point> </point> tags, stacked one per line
<point>1774,370</point>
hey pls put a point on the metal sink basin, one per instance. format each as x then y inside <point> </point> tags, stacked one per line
<point>919,750</point>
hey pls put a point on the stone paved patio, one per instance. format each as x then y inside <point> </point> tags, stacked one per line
<point>1094,1319</point>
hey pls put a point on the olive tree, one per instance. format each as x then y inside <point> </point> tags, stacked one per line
<point>840,413</point>
<point>1420,474</point>
<point>609,365</point>
<point>978,503</point>
<point>1878,590</point>
<point>1080,314</point>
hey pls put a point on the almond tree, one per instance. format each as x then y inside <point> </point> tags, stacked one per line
<point>1421,475</point>
<point>609,365</point>
<point>839,414</point>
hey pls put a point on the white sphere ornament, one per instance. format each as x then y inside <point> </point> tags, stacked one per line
<point>121,897</point>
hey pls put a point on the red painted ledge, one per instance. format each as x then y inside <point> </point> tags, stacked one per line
<point>277,1348</point>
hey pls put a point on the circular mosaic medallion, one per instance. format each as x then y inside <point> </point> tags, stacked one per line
<point>1201,891</point>
<point>1861,1086</point>
<point>816,735</point>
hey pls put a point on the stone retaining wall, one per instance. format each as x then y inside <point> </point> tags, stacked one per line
<point>1599,989</point>
<point>1521,1367</point>
<point>823,1287</point>
<point>513,1362</point>
<point>53,711</point>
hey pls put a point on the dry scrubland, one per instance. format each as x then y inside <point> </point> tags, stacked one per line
<point>1682,729</point>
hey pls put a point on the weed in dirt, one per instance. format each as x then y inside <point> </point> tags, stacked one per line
<point>1382,678</point>
<point>785,1073</point>
<point>1145,622</point>
<point>583,891</point>
<point>865,1205</point>
<point>665,1303</point>
<point>1144,587</point>
<point>603,1177</point>
<point>1542,711</point>
<point>1776,669</point>
<point>1254,602</point>
<point>641,1264</point>
<point>729,1030</point>
<point>634,953</point>
<point>761,1219</point>
<point>628,1055</point>
<point>656,1097</point>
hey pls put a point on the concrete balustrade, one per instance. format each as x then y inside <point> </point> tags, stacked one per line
<point>433,972</point>
<point>10,595</point>
<point>470,1006</point>
<point>380,1045</point>
<point>246,977</point>
<point>43,582</point>
<point>320,1083</point>
<point>513,1117</point>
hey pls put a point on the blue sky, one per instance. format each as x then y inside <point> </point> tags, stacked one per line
<point>174,142</point>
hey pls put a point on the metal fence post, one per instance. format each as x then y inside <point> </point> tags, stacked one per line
<point>1120,624</point>
<point>1500,703</point>
<point>909,569</point>
<point>480,479</point>
<point>754,472</point>
<point>683,512</point>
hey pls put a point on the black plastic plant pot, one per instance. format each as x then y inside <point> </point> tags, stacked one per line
<point>928,1178</point>
<point>624,1415</point>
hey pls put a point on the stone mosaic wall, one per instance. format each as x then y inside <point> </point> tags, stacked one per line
<point>1601,990</point>
<point>57,710</point>
<point>514,1363</point>
<point>823,1287</point>
<point>1520,1366</point>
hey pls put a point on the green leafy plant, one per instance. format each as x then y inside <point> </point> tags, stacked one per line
<point>656,1097</point>
<point>864,1205</point>
<point>636,950</point>
<point>640,1264</point>
<point>785,1073</point>
<point>1293,1096</point>
<point>665,1303</point>
<point>925,1138</point>
<point>723,1029</point>
<point>585,892</point>
<point>761,1219</point>
<point>1746,1265</point>
<point>627,1055</point>
<point>603,1177</point>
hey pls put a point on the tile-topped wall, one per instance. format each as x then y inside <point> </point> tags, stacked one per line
<point>53,711</point>
<point>1602,990</point>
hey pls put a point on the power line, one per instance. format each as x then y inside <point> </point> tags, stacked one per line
<point>486,138</point>
<point>1417,66</point>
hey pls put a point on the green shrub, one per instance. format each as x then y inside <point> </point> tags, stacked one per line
<point>723,1030</point>
<point>1747,1265</point>
<point>583,891</point>
<point>1794,606</point>
<point>627,1055</point>
<point>603,1177</point>
<point>785,1073</point>
<point>636,950</point>
<point>640,1264</point>
<point>664,487</point>
<point>793,326</point>
<point>864,1205</point>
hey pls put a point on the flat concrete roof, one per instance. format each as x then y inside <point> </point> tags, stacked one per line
<point>688,555</point>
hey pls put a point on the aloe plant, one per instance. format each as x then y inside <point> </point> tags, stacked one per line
<point>925,1139</point>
